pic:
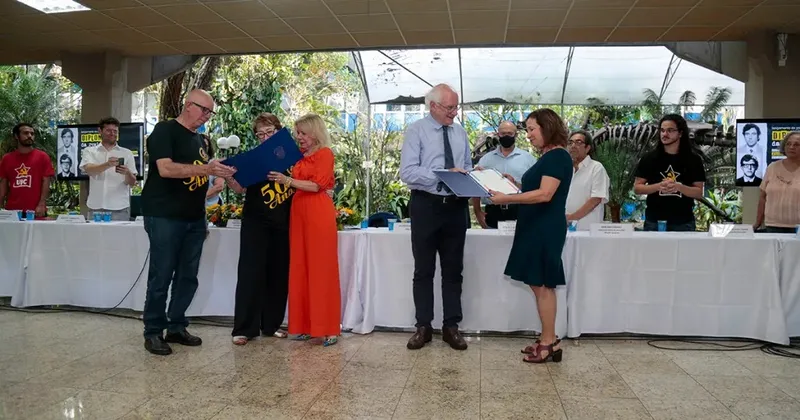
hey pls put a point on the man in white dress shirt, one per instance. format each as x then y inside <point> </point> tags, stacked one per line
<point>588,191</point>
<point>112,173</point>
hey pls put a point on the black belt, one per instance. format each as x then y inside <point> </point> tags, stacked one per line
<point>444,199</point>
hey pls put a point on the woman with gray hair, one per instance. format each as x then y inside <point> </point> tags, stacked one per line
<point>779,205</point>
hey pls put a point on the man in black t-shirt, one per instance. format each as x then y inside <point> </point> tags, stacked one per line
<point>671,176</point>
<point>173,206</point>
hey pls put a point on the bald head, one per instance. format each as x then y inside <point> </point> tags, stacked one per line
<point>197,109</point>
<point>507,127</point>
<point>200,97</point>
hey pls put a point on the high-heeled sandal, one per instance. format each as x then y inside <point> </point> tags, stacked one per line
<point>301,337</point>
<point>329,341</point>
<point>554,355</point>
<point>240,340</point>
<point>533,349</point>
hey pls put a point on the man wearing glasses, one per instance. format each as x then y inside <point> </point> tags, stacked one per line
<point>749,167</point>
<point>173,205</point>
<point>440,219</point>
<point>588,191</point>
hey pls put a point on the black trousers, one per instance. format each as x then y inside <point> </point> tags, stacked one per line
<point>263,284</point>
<point>438,225</point>
<point>495,213</point>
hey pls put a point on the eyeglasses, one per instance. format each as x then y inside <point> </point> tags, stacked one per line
<point>669,130</point>
<point>206,111</point>
<point>449,109</point>
<point>576,142</point>
<point>266,132</point>
<point>749,165</point>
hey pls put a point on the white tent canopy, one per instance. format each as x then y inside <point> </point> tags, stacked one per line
<point>539,75</point>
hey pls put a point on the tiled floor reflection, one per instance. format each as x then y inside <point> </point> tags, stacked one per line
<point>83,366</point>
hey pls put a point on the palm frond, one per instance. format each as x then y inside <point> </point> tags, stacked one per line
<point>716,99</point>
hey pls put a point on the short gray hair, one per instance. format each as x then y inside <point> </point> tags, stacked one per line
<point>785,139</point>
<point>435,94</point>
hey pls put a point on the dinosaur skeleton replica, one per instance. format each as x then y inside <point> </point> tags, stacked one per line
<point>642,133</point>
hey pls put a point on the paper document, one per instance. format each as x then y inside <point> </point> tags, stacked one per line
<point>492,180</point>
<point>475,183</point>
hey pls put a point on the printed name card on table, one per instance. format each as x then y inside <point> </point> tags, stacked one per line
<point>507,227</point>
<point>9,216</point>
<point>70,218</point>
<point>618,230</point>
<point>234,223</point>
<point>718,230</point>
<point>402,227</point>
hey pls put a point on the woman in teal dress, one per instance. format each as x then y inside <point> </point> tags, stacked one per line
<point>535,257</point>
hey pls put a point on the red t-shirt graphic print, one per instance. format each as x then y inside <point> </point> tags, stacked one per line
<point>24,174</point>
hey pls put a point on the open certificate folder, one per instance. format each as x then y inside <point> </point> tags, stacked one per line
<point>476,183</point>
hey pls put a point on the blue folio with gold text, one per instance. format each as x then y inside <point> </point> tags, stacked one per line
<point>278,153</point>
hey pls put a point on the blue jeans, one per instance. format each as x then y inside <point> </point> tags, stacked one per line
<point>652,226</point>
<point>175,249</point>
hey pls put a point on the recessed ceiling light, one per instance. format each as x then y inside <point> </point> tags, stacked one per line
<point>55,6</point>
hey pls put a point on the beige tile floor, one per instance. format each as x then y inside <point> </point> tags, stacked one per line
<point>82,366</point>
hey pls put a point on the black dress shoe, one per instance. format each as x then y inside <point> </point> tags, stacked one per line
<point>451,336</point>
<point>157,345</point>
<point>184,338</point>
<point>418,340</point>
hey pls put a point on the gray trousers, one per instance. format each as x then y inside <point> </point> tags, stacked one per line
<point>123,215</point>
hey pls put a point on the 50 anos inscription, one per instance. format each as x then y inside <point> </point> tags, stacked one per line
<point>196,182</point>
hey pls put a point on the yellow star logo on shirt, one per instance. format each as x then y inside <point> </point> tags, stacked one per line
<point>22,170</point>
<point>670,174</point>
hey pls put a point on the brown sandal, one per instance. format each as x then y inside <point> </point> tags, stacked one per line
<point>554,355</point>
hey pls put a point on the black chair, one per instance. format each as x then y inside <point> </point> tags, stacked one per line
<point>380,220</point>
<point>136,206</point>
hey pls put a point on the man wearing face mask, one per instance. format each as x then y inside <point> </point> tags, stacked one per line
<point>509,161</point>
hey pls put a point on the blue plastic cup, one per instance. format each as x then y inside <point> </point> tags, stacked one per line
<point>391,224</point>
<point>107,216</point>
<point>30,215</point>
<point>98,216</point>
<point>662,225</point>
<point>573,225</point>
<point>20,215</point>
<point>364,224</point>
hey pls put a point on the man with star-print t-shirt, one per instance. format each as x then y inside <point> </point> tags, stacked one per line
<point>671,176</point>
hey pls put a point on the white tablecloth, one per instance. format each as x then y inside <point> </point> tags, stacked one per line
<point>95,265</point>
<point>664,283</point>
<point>490,301</point>
<point>677,284</point>
<point>13,248</point>
<point>790,282</point>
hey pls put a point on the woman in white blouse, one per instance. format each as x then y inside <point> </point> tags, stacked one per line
<point>779,206</point>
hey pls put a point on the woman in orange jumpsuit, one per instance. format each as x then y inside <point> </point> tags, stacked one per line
<point>314,296</point>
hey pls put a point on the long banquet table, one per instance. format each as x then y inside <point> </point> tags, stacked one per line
<point>652,283</point>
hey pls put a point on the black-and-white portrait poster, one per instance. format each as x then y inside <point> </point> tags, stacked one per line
<point>67,146</point>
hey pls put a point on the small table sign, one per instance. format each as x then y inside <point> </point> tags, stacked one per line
<point>402,227</point>
<point>9,216</point>
<point>234,223</point>
<point>618,230</point>
<point>718,230</point>
<point>507,227</point>
<point>70,218</point>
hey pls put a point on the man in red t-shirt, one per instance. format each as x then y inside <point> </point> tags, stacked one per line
<point>25,174</point>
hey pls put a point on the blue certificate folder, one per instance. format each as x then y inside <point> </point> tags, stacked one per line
<point>278,153</point>
<point>466,184</point>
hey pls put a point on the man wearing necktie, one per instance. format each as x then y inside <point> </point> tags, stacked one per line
<point>439,219</point>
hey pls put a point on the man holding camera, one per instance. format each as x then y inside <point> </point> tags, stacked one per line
<point>112,173</point>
